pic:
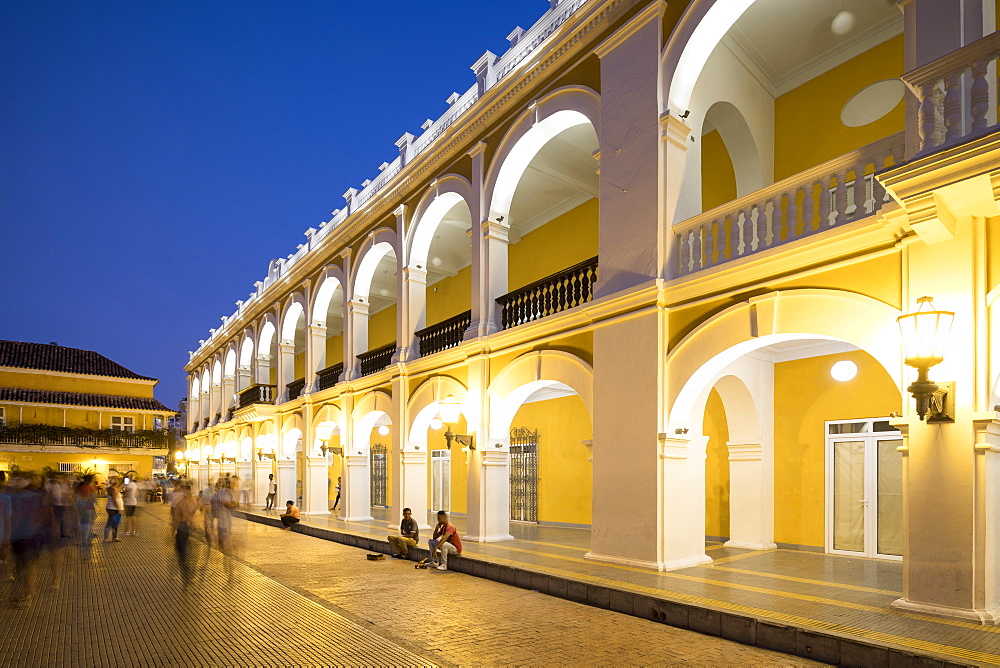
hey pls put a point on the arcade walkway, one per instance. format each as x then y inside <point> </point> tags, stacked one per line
<point>829,608</point>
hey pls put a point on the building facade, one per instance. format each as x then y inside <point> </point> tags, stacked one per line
<point>657,252</point>
<point>76,411</point>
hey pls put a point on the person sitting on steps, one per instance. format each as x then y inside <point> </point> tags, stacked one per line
<point>291,515</point>
<point>409,535</point>
<point>444,542</point>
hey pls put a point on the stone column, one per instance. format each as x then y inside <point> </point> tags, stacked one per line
<point>315,356</point>
<point>228,392</point>
<point>264,369</point>
<point>314,491</point>
<point>356,337</point>
<point>413,487</point>
<point>751,505</point>
<point>488,485</point>
<point>286,482</point>
<point>261,469</point>
<point>481,309</point>
<point>286,370</point>
<point>412,311</point>
<point>495,240</point>
<point>356,495</point>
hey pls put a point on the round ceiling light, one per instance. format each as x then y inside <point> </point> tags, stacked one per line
<point>844,370</point>
<point>383,430</point>
<point>843,23</point>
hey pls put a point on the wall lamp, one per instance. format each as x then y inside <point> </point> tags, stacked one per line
<point>924,333</point>
<point>261,455</point>
<point>231,460</point>
<point>451,411</point>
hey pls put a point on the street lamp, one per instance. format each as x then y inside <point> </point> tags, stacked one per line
<point>925,332</point>
<point>451,411</point>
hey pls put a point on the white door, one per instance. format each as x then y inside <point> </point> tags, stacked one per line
<point>441,480</point>
<point>864,491</point>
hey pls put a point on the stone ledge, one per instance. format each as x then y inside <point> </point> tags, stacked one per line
<point>806,643</point>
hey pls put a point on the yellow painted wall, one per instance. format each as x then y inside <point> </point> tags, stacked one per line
<point>382,327</point>
<point>459,467</point>
<point>449,296</point>
<point>807,127</point>
<point>560,243</point>
<point>718,178</point>
<point>56,383</point>
<point>804,397</point>
<point>299,366</point>
<point>716,428</point>
<point>75,417</point>
<point>334,349</point>
<point>37,461</point>
<point>565,477</point>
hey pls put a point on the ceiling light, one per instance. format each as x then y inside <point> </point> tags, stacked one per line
<point>844,370</point>
<point>843,23</point>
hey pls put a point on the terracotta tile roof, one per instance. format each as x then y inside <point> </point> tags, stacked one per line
<point>50,357</point>
<point>23,396</point>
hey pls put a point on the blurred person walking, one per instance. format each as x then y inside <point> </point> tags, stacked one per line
<point>183,507</point>
<point>31,522</point>
<point>114,508</point>
<point>86,502</point>
<point>130,499</point>
<point>5,514</point>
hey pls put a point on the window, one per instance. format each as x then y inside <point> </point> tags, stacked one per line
<point>123,423</point>
<point>3,417</point>
<point>157,423</point>
<point>70,467</point>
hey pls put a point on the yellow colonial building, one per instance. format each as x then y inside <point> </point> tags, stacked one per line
<point>74,410</point>
<point>657,252</point>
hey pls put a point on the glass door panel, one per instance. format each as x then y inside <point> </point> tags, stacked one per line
<point>849,496</point>
<point>890,497</point>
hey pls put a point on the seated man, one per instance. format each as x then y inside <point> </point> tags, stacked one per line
<point>444,542</point>
<point>290,516</point>
<point>409,535</point>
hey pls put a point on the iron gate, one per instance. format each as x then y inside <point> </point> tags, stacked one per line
<point>524,474</point>
<point>379,474</point>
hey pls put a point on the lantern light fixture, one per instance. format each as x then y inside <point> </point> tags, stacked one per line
<point>925,334</point>
<point>450,412</point>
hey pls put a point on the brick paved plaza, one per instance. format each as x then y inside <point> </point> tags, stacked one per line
<point>284,598</point>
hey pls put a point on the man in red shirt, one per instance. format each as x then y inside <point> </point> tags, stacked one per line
<point>445,541</point>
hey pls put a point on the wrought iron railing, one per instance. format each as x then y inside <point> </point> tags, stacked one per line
<point>443,335</point>
<point>830,194</point>
<point>257,394</point>
<point>330,376</point>
<point>46,434</point>
<point>218,417</point>
<point>295,388</point>
<point>376,359</point>
<point>194,427</point>
<point>229,415</point>
<point>552,294</point>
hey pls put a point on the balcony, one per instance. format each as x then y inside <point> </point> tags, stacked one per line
<point>45,434</point>
<point>443,335</point>
<point>330,376</point>
<point>377,359</point>
<point>257,394</point>
<point>552,294</point>
<point>826,196</point>
<point>295,388</point>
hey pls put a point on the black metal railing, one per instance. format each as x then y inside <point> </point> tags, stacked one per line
<point>295,388</point>
<point>443,335</point>
<point>47,434</point>
<point>218,417</point>
<point>376,359</point>
<point>552,294</point>
<point>194,427</point>
<point>330,376</point>
<point>257,394</point>
<point>229,415</point>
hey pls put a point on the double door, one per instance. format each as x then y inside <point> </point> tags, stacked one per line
<point>864,489</point>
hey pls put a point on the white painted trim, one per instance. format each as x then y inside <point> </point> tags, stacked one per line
<point>66,374</point>
<point>979,616</point>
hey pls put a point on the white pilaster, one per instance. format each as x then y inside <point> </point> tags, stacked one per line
<point>315,486</point>
<point>493,466</point>
<point>315,355</point>
<point>413,490</point>
<point>749,500</point>
<point>286,370</point>
<point>356,495</point>
<point>286,482</point>
<point>261,469</point>
<point>357,340</point>
<point>480,285</point>
<point>412,311</point>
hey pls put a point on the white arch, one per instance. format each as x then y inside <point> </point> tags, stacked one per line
<point>424,407</point>
<point>446,193</point>
<point>740,144</point>
<point>529,373</point>
<point>229,369</point>
<point>329,283</point>
<point>700,29</point>
<point>195,388</point>
<point>366,268</point>
<point>835,315</point>
<point>246,352</point>
<point>561,110</point>
<point>294,312</point>
<point>267,331</point>
<point>216,372</point>
<point>370,410</point>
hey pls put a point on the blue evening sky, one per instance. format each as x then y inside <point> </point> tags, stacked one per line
<point>154,156</point>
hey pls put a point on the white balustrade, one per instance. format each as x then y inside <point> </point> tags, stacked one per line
<point>787,210</point>
<point>956,95</point>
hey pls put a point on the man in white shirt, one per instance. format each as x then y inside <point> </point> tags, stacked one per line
<point>272,492</point>
<point>130,499</point>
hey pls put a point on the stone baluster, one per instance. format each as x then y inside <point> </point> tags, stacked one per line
<point>776,221</point>
<point>760,227</point>
<point>792,214</point>
<point>808,212</point>
<point>878,191</point>
<point>710,243</point>
<point>824,203</point>
<point>939,126</point>
<point>953,106</point>
<point>979,104</point>
<point>860,191</point>
<point>685,248</point>
<point>734,237</point>
<point>841,197</point>
<point>696,258</point>
<point>925,116</point>
<point>741,223</point>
